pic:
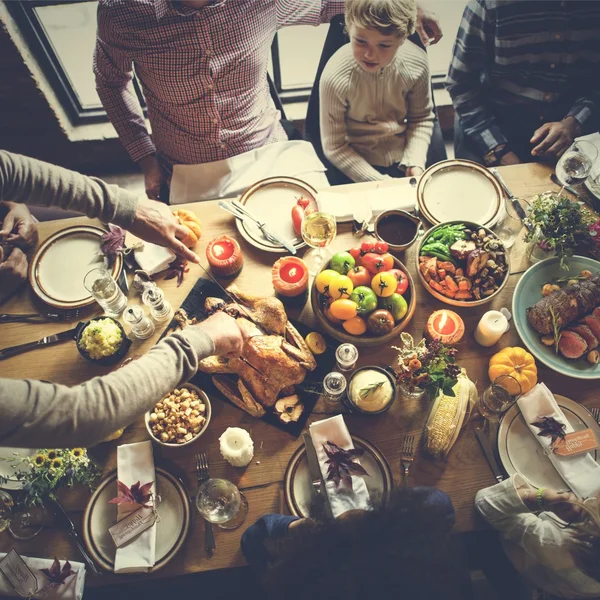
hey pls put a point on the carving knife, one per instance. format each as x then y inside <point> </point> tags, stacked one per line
<point>46,341</point>
<point>313,466</point>
<point>486,446</point>
<point>513,200</point>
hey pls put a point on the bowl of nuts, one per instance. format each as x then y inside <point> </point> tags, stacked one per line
<point>179,418</point>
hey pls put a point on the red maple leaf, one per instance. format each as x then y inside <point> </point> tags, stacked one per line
<point>136,494</point>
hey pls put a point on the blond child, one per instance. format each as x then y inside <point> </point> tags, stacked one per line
<point>375,93</point>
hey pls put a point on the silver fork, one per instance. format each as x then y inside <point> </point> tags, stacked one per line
<point>203,474</point>
<point>408,454</point>
<point>595,413</point>
<point>60,317</point>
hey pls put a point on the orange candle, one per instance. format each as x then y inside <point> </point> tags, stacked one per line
<point>445,326</point>
<point>224,256</point>
<point>290,276</point>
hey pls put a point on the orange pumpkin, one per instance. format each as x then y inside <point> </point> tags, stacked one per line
<point>192,223</point>
<point>517,363</point>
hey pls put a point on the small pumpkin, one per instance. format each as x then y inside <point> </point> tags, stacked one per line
<point>517,363</point>
<point>189,220</point>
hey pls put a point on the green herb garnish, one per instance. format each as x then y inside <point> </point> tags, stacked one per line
<point>364,392</point>
<point>555,328</point>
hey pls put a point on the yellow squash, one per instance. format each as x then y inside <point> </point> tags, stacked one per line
<point>517,363</point>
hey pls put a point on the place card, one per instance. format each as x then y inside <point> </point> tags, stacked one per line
<point>19,575</point>
<point>576,442</point>
<point>132,525</point>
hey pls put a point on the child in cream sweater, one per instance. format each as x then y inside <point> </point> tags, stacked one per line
<point>375,93</point>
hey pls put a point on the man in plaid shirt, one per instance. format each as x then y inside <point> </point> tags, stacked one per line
<point>203,68</point>
<point>524,78</point>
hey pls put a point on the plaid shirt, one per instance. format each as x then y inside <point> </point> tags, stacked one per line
<point>203,73</point>
<point>542,55</point>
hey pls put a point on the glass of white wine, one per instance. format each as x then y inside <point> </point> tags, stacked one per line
<point>318,231</point>
<point>220,502</point>
<point>576,163</point>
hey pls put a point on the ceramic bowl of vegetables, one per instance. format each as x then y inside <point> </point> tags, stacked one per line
<point>463,263</point>
<point>364,296</point>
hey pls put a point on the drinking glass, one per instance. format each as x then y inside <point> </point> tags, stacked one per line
<point>496,399</point>
<point>220,502</point>
<point>318,231</point>
<point>509,224</point>
<point>6,510</point>
<point>576,163</point>
<point>105,291</point>
<point>27,522</point>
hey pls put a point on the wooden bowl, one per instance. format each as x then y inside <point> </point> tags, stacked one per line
<point>452,301</point>
<point>367,340</point>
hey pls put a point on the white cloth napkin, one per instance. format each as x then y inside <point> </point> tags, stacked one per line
<point>153,259</point>
<point>344,202</point>
<point>581,473</point>
<point>72,589</point>
<point>136,463</point>
<point>341,498</point>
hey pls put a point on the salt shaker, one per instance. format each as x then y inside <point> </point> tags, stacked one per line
<point>159,307</point>
<point>334,387</point>
<point>346,356</point>
<point>141,325</point>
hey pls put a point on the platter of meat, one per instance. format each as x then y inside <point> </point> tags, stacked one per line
<point>557,314</point>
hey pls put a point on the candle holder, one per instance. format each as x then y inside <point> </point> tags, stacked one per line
<point>445,326</point>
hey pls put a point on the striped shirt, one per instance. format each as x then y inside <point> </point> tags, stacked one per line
<point>542,55</point>
<point>203,73</point>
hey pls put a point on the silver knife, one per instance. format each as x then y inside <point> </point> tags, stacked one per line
<point>266,230</point>
<point>486,446</point>
<point>64,517</point>
<point>313,466</point>
<point>46,341</point>
<point>514,201</point>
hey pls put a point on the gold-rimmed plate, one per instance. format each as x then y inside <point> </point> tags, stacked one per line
<point>59,266</point>
<point>271,201</point>
<point>172,527</point>
<point>456,189</point>
<point>297,481</point>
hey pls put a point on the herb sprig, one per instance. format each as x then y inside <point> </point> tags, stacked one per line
<point>369,389</point>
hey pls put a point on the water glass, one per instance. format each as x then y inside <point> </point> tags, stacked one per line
<point>496,399</point>
<point>509,224</point>
<point>105,291</point>
<point>220,502</point>
<point>576,163</point>
<point>27,522</point>
<point>6,509</point>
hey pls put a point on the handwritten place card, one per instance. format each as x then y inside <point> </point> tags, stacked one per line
<point>132,525</point>
<point>577,442</point>
<point>19,575</point>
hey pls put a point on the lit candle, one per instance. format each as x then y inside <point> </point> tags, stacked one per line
<point>224,256</point>
<point>492,326</point>
<point>290,276</point>
<point>237,447</point>
<point>445,326</point>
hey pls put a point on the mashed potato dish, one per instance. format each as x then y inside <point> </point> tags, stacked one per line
<point>101,338</point>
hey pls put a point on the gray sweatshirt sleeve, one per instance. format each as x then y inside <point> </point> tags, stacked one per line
<point>30,181</point>
<point>35,414</point>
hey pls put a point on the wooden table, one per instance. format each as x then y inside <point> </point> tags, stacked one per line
<point>465,472</point>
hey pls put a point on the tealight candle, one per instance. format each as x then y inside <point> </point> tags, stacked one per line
<point>237,447</point>
<point>492,326</point>
<point>290,276</point>
<point>445,326</point>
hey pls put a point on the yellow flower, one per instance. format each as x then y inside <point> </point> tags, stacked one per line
<point>56,463</point>
<point>40,459</point>
<point>78,452</point>
<point>52,454</point>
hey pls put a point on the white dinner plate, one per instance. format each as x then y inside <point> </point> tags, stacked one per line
<point>521,453</point>
<point>8,467</point>
<point>171,530</point>
<point>271,201</point>
<point>455,189</point>
<point>60,264</point>
<point>298,482</point>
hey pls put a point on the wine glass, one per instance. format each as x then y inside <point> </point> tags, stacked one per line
<point>497,398</point>
<point>576,163</point>
<point>220,502</point>
<point>318,231</point>
<point>27,521</point>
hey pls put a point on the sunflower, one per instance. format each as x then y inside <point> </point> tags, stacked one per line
<point>77,452</point>
<point>56,464</point>
<point>40,459</point>
<point>52,454</point>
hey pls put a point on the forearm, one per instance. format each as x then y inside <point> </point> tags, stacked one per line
<point>585,113</point>
<point>307,12</point>
<point>30,181</point>
<point>47,415</point>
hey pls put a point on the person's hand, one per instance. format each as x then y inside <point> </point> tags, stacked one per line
<point>13,272</point>
<point>154,222</point>
<point>152,176</point>
<point>225,333</point>
<point>553,139</point>
<point>428,27</point>
<point>414,171</point>
<point>18,227</point>
<point>510,158</point>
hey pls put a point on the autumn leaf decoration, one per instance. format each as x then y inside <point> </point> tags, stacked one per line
<point>341,466</point>
<point>56,575</point>
<point>136,494</point>
<point>550,427</point>
<point>178,268</point>
<point>112,243</point>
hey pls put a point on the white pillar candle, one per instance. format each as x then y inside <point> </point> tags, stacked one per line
<point>237,447</point>
<point>492,326</point>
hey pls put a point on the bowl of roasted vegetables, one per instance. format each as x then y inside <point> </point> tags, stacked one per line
<point>462,263</point>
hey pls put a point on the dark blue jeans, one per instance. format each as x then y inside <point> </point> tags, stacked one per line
<point>276,526</point>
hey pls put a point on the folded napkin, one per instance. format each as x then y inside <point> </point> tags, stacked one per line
<point>341,498</point>
<point>581,473</point>
<point>343,203</point>
<point>153,259</point>
<point>72,589</point>
<point>136,463</point>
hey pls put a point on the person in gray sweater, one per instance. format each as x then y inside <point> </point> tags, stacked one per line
<point>36,414</point>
